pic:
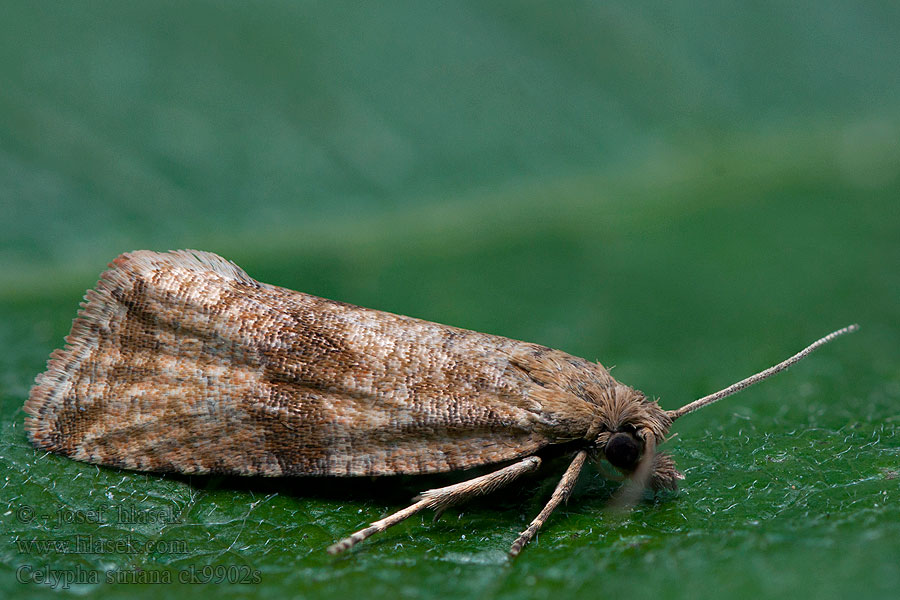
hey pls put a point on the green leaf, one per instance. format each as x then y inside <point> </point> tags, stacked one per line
<point>689,194</point>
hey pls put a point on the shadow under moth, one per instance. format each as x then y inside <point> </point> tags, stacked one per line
<point>181,362</point>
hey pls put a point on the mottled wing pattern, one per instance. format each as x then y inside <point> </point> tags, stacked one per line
<point>181,362</point>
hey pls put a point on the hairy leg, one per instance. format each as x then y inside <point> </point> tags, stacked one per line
<point>440,498</point>
<point>560,494</point>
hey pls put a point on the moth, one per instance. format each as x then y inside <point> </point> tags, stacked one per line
<point>181,362</point>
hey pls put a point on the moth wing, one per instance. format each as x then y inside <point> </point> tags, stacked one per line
<point>182,362</point>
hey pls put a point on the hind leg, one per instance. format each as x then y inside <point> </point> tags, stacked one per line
<point>440,498</point>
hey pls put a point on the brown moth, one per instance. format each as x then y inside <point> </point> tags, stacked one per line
<point>181,362</point>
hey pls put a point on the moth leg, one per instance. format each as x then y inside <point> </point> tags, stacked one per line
<point>440,498</point>
<point>560,494</point>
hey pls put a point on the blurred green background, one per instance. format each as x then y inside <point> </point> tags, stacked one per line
<point>687,192</point>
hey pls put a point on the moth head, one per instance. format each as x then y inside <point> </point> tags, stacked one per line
<point>637,458</point>
<point>629,428</point>
<point>623,450</point>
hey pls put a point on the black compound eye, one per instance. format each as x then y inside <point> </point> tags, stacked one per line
<point>622,451</point>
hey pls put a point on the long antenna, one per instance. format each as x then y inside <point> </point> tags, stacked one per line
<point>736,387</point>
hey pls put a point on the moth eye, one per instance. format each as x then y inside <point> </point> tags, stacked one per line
<point>622,451</point>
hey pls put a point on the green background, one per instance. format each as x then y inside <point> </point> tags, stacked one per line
<point>688,193</point>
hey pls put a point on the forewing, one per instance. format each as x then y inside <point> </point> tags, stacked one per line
<point>182,362</point>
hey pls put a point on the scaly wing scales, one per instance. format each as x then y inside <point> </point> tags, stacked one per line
<point>182,362</point>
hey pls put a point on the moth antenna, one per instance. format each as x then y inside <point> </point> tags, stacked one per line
<point>744,383</point>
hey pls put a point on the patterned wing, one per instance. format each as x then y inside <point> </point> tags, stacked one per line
<point>182,362</point>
